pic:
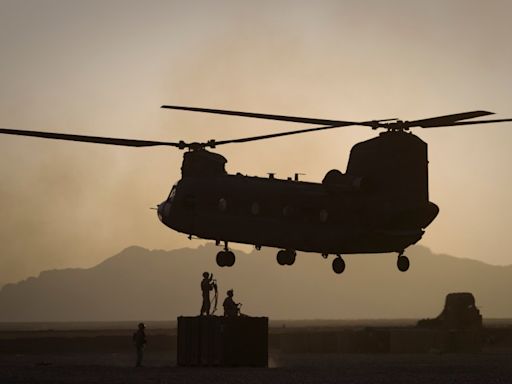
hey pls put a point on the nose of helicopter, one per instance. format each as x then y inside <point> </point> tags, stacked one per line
<point>160,210</point>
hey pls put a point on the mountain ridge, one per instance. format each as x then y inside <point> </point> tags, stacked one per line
<point>138,283</point>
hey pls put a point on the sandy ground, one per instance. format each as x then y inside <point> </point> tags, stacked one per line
<point>75,354</point>
<point>284,368</point>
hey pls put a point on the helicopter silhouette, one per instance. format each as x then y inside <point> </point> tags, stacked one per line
<point>380,204</point>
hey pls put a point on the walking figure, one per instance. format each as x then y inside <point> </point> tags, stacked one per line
<point>139,340</point>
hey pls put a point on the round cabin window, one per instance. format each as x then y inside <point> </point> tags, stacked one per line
<point>223,204</point>
<point>287,211</point>
<point>255,208</point>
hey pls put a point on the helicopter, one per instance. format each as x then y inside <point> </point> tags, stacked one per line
<point>379,205</point>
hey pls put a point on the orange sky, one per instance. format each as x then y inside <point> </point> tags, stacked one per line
<point>104,68</point>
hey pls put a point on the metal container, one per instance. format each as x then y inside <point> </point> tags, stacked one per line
<point>222,341</point>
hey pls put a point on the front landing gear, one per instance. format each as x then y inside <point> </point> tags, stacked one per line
<point>402,262</point>
<point>338,265</point>
<point>286,257</point>
<point>225,258</point>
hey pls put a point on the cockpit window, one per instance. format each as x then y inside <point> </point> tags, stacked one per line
<point>173,193</point>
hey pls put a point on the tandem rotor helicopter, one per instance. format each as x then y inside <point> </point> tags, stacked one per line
<point>380,204</point>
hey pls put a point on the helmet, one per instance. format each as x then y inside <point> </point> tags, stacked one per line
<point>141,326</point>
<point>230,292</point>
<point>206,274</point>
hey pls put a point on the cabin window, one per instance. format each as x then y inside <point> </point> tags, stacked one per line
<point>255,208</point>
<point>324,215</point>
<point>222,204</point>
<point>288,211</point>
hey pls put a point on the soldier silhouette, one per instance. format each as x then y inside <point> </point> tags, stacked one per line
<point>231,309</point>
<point>207,284</point>
<point>139,340</point>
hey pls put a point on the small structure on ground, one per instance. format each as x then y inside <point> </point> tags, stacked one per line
<point>222,341</point>
<point>459,313</point>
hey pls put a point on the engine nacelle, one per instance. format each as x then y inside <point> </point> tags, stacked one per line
<point>335,181</point>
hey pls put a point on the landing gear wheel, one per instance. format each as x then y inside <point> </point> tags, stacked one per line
<point>286,257</point>
<point>402,263</point>
<point>290,257</point>
<point>225,259</point>
<point>229,258</point>
<point>281,257</point>
<point>221,259</point>
<point>338,265</point>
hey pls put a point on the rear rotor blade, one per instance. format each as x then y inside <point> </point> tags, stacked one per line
<point>295,119</point>
<point>447,119</point>
<point>88,139</point>
<point>467,123</point>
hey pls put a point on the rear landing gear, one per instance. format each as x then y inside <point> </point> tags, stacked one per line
<point>286,257</point>
<point>402,262</point>
<point>225,258</point>
<point>338,265</point>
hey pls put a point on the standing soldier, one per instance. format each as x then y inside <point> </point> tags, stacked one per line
<point>139,340</point>
<point>207,284</point>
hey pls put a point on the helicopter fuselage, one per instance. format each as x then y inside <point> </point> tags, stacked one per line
<point>379,205</point>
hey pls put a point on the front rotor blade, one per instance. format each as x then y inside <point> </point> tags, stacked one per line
<point>273,135</point>
<point>87,139</point>
<point>447,119</point>
<point>295,119</point>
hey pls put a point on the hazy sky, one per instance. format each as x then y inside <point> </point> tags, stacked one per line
<point>105,67</point>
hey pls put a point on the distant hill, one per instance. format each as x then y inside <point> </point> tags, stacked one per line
<point>160,285</point>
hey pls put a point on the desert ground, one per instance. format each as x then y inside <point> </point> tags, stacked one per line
<point>104,354</point>
<point>289,368</point>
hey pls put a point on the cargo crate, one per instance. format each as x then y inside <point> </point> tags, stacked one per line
<point>222,341</point>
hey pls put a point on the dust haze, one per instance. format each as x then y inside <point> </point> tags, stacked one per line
<point>104,68</point>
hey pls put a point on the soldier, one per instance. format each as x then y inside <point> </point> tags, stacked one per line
<point>139,340</point>
<point>231,308</point>
<point>207,284</point>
